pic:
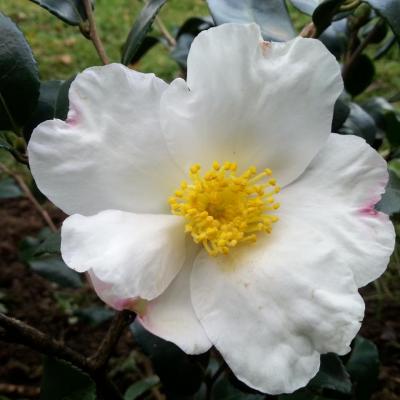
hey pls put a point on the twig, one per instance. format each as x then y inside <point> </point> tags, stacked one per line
<point>309,31</point>
<point>94,37</point>
<point>357,52</point>
<point>24,187</point>
<point>119,323</point>
<point>19,332</point>
<point>163,29</point>
<point>16,331</point>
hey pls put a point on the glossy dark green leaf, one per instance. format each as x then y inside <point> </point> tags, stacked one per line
<point>137,389</point>
<point>185,36</point>
<point>390,10</point>
<point>390,202</point>
<point>148,43</point>
<point>385,47</point>
<point>179,373</point>
<point>50,244</point>
<point>19,79</point>
<point>9,189</point>
<point>359,75</point>
<point>359,123</point>
<point>45,108</point>
<point>303,394</point>
<point>335,38</point>
<point>62,381</point>
<point>324,14</point>
<point>386,117</point>
<point>332,375</point>
<point>70,11</point>
<point>363,367</point>
<point>341,111</point>
<point>54,269</point>
<point>140,28</point>
<point>62,103</point>
<point>4,143</point>
<point>94,315</point>
<point>224,390</point>
<point>271,15</point>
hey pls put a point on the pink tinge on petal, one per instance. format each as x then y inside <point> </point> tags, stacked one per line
<point>73,116</point>
<point>369,208</point>
<point>104,291</point>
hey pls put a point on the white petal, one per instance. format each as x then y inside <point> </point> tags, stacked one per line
<point>109,154</point>
<point>171,315</point>
<point>251,102</point>
<point>272,308</point>
<point>336,194</point>
<point>138,254</point>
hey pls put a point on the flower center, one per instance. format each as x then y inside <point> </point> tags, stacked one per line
<point>223,209</point>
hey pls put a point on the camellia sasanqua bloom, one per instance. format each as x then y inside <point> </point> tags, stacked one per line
<point>222,208</point>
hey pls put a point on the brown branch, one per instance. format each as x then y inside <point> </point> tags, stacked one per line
<point>309,31</point>
<point>20,332</point>
<point>16,331</point>
<point>357,52</point>
<point>165,32</point>
<point>122,319</point>
<point>24,187</point>
<point>93,35</point>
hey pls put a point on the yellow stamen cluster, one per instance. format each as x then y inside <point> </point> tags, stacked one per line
<point>223,209</point>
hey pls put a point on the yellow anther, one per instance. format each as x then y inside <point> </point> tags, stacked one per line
<point>222,209</point>
<point>195,168</point>
<point>216,165</point>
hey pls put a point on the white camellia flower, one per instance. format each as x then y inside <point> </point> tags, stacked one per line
<point>222,208</point>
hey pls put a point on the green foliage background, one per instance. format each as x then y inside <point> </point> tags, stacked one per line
<point>61,50</point>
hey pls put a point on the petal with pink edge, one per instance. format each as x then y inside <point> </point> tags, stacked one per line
<point>137,254</point>
<point>273,308</point>
<point>337,194</point>
<point>110,153</point>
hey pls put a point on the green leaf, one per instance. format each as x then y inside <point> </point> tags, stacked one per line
<point>148,43</point>
<point>271,15</point>
<point>140,28</point>
<point>224,390</point>
<point>324,14</point>
<point>303,394</point>
<point>94,315</point>
<point>359,123</point>
<point>332,375</point>
<point>363,367</point>
<point>385,47</point>
<point>137,389</point>
<point>19,79</point>
<point>45,108</point>
<point>390,202</point>
<point>341,111</point>
<point>62,102</point>
<point>179,373</point>
<point>63,381</point>
<point>386,117</point>
<point>54,269</point>
<point>9,189</point>
<point>335,38</point>
<point>51,244</point>
<point>185,36</point>
<point>359,75</point>
<point>70,11</point>
<point>389,10</point>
